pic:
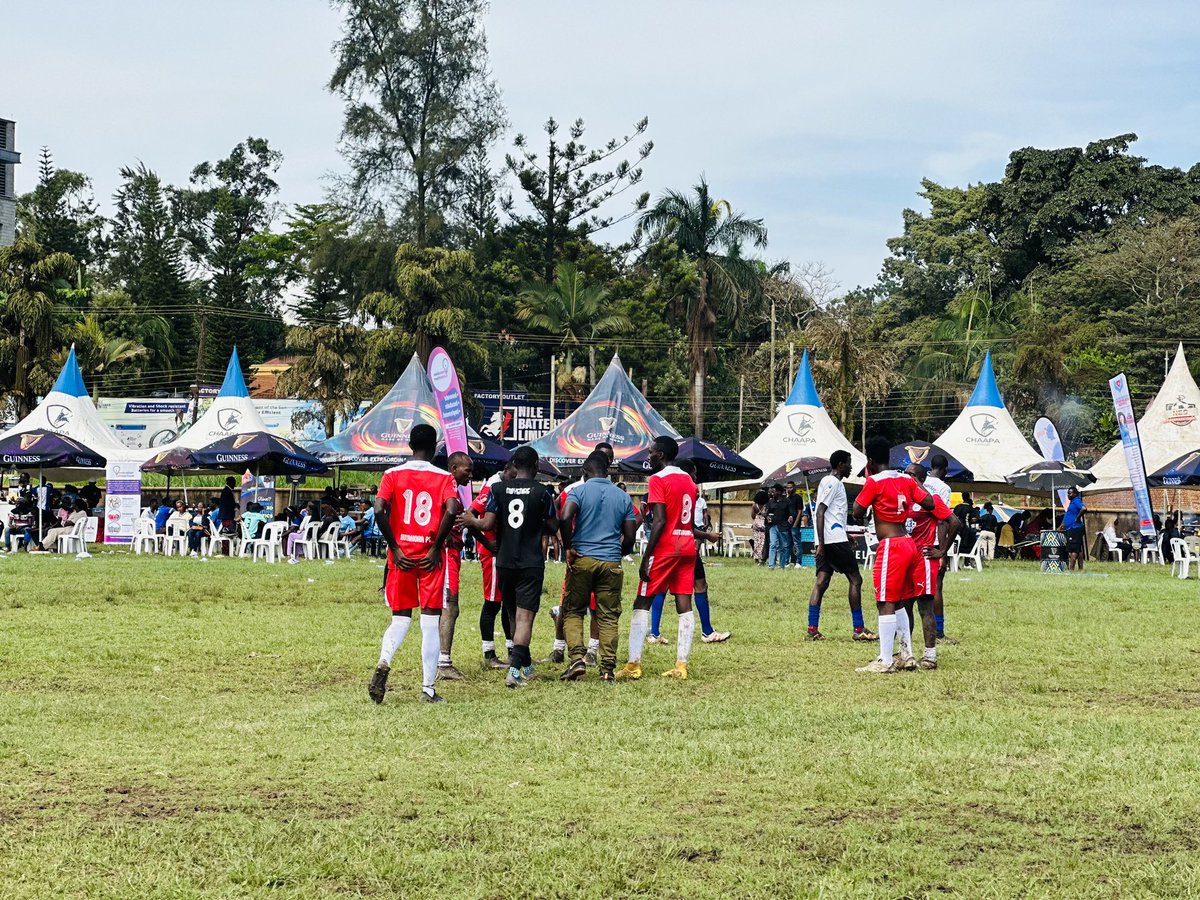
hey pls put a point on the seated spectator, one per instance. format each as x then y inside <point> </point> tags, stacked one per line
<point>161,514</point>
<point>200,526</point>
<point>348,529</point>
<point>180,518</point>
<point>1170,532</point>
<point>91,494</point>
<point>253,519</point>
<point>1111,541</point>
<point>22,521</point>
<point>49,541</point>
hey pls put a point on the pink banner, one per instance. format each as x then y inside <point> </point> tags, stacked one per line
<point>444,378</point>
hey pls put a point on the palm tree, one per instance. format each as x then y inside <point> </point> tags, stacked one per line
<point>570,308</point>
<point>29,281</point>
<point>330,370</point>
<point>710,234</point>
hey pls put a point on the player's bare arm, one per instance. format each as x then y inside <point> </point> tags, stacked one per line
<point>819,530</point>
<point>449,515</point>
<point>657,526</point>
<point>629,535</point>
<point>947,530</point>
<point>566,528</point>
<point>384,523</point>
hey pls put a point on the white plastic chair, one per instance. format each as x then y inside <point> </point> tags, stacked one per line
<point>307,541</point>
<point>217,538</point>
<point>1182,563</point>
<point>75,539</point>
<point>144,537</point>
<point>1153,551</point>
<point>952,555</point>
<point>268,545</point>
<point>966,559</point>
<point>734,545</point>
<point>1110,544</point>
<point>331,543</point>
<point>175,540</point>
<point>869,562</point>
<point>245,542</point>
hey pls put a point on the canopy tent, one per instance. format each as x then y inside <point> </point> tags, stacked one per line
<point>615,411</point>
<point>801,428</point>
<point>260,452</point>
<point>713,462</point>
<point>985,439</point>
<point>68,412</point>
<point>1169,428</point>
<point>1181,472</point>
<point>903,455</point>
<point>379,438</point>
<point>232,412</point>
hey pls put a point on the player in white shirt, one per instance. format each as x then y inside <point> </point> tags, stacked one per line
<point>935,485</point>
<point>835,552</point>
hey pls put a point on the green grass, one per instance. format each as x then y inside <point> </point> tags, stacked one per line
<point>170,728</point>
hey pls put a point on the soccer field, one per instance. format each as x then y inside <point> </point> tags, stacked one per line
<point>171,728</point>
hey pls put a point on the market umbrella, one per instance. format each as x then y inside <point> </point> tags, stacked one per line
<point>900,456</point>
<point>806,467</point>
<point>1181,472</point>
<point>260,452</point>
<point>487,456</point>
<point>1045,477</point>
<point>713,462</point>
<point>43,450</point>
<point>175,461</point>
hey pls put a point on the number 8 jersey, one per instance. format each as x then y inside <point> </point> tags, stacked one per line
<point>674,487</point>
<point>522,507</point>
<point>416,494</point>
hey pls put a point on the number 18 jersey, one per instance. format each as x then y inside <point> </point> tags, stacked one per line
<point>416,494</point>
<point>674,488</point>
<point>522,507</point>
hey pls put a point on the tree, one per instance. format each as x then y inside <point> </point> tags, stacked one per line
<point>572,309</point>
<point>568,189</point>
<point>419,100</point>
<point>30,278</point>
<point>475,218</point>
<point>146,250</point>
<point>329,370</point>
<point>61,213</point>
<point>101,354</point>
<point>709,233</point>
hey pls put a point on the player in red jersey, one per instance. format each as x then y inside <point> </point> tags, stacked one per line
<point>669,563</point>
<point>890,494</point>
<point>461,470</point>
<point>415,509</point>
<point>933,531</point>
<point>486,544</point>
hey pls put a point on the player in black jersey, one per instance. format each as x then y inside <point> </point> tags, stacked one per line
<point>520,511</point>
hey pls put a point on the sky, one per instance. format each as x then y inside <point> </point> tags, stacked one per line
<point>819,117</point>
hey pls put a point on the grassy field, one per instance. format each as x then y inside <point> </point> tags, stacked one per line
<point>171,728</point>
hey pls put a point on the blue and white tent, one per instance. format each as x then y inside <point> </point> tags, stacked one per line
<point>984,437</point>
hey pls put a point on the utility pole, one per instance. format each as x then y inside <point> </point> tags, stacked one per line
<point>772,356</point>
<point>791,359</point>
<point>202,312</point>
<point>501,394</point>
<point>553,379</point>
<point>741,404</point>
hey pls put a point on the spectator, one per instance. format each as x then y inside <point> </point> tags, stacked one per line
<point>22,521</point>
<point>179,518</point>
<point>1169,533</point>
<point>968,519</point>
<point>1112,542</point>
<point>796,507</point>
<point>989,531</point>
<point>78,512</point>
<point>227,506</point>
<point>199,528</point>
<point>91,494</point>
<point>161,513</point>
<point>1073,527</point>
<point>758,527</point>
<point>253,519</point>
<point>779,523</point>
<point>348,530</point>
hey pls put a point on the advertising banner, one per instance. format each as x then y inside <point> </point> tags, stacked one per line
<point>522,420</point>
<point>444,378</point>
<point>1127,421</point>
<point>144,422</point>
<point>122,501</point>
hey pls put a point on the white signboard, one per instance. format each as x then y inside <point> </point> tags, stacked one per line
<point>122,501</point>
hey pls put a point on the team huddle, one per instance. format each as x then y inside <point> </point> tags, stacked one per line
<point>420,513</point>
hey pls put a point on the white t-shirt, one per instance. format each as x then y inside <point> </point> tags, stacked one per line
<point>938,487</point>
<point>698,512</point>
<point>832,493</point>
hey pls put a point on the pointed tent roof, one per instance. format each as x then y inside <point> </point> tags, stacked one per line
<point>67,410</point>
<point>801,427</point>
<point>984,437</point>
<point>615,411</point>
<point>1169,428</point>
<point>231,412</point>
<point>380,437</point>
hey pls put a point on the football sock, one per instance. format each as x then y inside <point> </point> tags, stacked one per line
<point>814,617</point>
<point>431,644</point>
<point>489,647</point>
<point>638,626</point>
<point>931,653</point>
<point>487,622</point>
<point>903,635</point>
<point>594,645</point>
<point>520,658</point>
<point>508,645</point>
<point>560,645</point>
<point>887,637</point>
<point>856,615</point>
<point>701,601</point>
<point>940,621</point>
<point>687,628</point>
<point>656,611</point>
<point>393,638</point>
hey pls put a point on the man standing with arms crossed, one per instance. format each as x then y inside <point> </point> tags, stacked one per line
<point>415,509</point>
<point>889,493</point>
<point>669,563</point>
<point>835,553</point>
<point>598,528</point>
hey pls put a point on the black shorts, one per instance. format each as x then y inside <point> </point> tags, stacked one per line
<point>522,587</point>
<point>1074,540</point>
<point>700,576</point>
<point>839,557</point>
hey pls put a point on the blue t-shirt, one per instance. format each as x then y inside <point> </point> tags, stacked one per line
<point>603,508</point>
<point>160,517</point>
<point>1072,519</point>
<point>346,524</point>
<point>368,523</point>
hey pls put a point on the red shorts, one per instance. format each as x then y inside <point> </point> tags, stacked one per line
<point>453,568</point>
<point>416,587</point>
<point>927,576</point>
<point>669,575</point>
<point>896,562</point>
<point>488,563</point>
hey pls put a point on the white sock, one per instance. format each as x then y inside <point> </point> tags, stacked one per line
<point>393,638</point>
<point>508,645</point>
<point>443,659</point>
<point>887,637</point>
<point>903,632</point>
<point>489,646</point>
<point>431,645</point>
<point>687,628</point>
<point>931,653</point>
<point>594,644</point>
<point>639,626</point>
<point>560,645</point>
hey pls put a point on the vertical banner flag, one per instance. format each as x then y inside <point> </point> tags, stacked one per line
<point>450,409</point>
<point>1127,421</point>
<point>122,501</point>
<point>1050,444</point>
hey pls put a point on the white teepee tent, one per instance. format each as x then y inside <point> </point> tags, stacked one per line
<point>984,437</point>
<point>1168,429</point>
<point>232,412</point>
<point>801,427</point>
